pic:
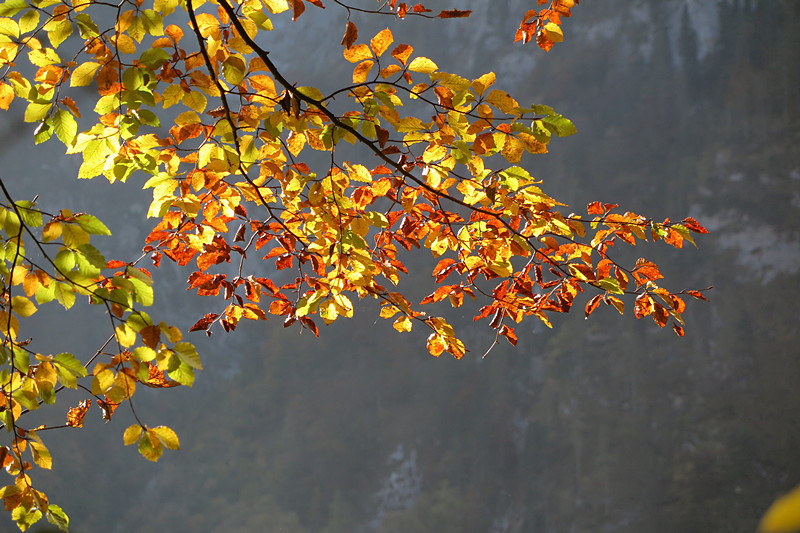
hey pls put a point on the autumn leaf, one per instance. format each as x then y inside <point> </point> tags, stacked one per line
<point>76,415</point>
<point>350,35</point>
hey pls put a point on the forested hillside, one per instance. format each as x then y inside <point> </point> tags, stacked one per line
<point>683,108</point>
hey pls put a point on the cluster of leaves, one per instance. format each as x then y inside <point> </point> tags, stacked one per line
<point>545,25</point>
<point>236,179</point>
<point>59,265</point>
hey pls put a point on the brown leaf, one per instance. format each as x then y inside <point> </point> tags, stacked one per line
<point>151,335</point>
<point>350,35</point>
<point>454,13</point>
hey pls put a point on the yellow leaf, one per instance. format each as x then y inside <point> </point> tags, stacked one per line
<point>6,95</point>
<point>194,100</point>
<point>22,306</point>
<point>422,64</point>
<point>167,437</point>
<point>9,325</point>
<point>296,142</point>
<point>131,434</point>
<point>502,101</point>
<point>276,6</point>
<point>402,323</point>
<point>434,152</point>
<point>41,455</point>
<point>380,43</point>
<point>388,311</point>
<point>126,336</point>
<point>357,53</point>
<point>361,71</point>
<point>531,144</point>
<point>553,32</point>
<point>513,149</point>
<point>484,82</point>
<point>783,516</point>
<point>83,74</point>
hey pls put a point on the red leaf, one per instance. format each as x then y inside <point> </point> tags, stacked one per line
<point>697,294</point>
<point>594,208</point>
<point>677,329</point>
<point>508,333</point>
<point>298,8</point>
<point>660,314</point>
<point>693,225</point>
<point>204,322</point>
<point>307,322</point>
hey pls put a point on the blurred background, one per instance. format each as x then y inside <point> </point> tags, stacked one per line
<point>683,108</point>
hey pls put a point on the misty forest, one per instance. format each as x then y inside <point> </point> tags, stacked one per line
<point>683,108</point>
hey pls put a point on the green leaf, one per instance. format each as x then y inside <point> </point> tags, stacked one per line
<point>45,294</point>
<point>611,285</point>
<point>144,353</point>
<point>64,294</point>
<point>188,354</point>
<point>86,26</point>
<point>36,112</point>
<point>65,260</point>
<point>57,517</point>
<point>31,217</point>
<point>90,260</point>
<point>142,286</point>
<point>12,7</point>
<point>69,369</point>
<point>151,21</point>
<point>154,58</point>
<point>150,450</point>
<point>92,224</point>
<point>183,374</point>
<point>559,125</point>
<point>234,69</point>
<point>65,126</point>
<point>58,31</point>
<point>43,132</point>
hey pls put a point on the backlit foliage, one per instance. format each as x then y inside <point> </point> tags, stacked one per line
<point>188,105</point>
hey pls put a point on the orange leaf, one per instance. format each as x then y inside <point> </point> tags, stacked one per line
<point>6,95</point>
<point>402,52</point>
<point>509,334</point>
<point>357,53</point>
<point>593,304</point>
<point>380,43</point>
<point>361,71</point>
<point>76,415</point>
<point>693,225</point>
